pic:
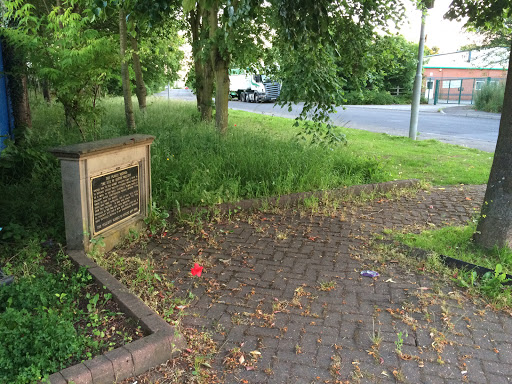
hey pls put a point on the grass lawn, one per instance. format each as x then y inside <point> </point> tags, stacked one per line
<point>398,156</point>
<point>430,160</point>
<point>192,165</point>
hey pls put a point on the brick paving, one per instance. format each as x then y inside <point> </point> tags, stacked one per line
<point>286,286</point>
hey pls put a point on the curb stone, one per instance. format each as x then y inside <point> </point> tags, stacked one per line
<point>452,262</point>
<point>481,271</point>
<point>293,199</point>
<point>160,345</point>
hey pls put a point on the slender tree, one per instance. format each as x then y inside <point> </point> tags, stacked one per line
<point>198,20</point>
<point>125,74</point>
<point>140,87</point>
<point>65,50</point>
<point>160,53</point>
<point>134,16</point>
<point>45,86</point>
<point>220,60</point>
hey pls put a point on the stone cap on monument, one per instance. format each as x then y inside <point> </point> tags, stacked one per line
<point>93,148</point>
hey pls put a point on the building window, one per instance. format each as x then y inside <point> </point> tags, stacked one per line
<point>480,83</point>
<point>452,83</point>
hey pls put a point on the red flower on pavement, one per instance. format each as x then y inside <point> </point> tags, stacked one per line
<point>196,270</point>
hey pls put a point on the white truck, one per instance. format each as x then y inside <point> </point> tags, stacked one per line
<point>252,88</point>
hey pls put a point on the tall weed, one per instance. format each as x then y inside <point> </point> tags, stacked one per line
<point>193,165</point>
<point>490,97</point>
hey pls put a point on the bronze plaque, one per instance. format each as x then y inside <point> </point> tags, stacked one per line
<point>115,196</point>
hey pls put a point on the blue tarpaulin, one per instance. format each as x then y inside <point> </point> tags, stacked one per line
<point>6,118</point>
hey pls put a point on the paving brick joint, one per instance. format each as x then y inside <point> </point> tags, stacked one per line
<point>287,285</point>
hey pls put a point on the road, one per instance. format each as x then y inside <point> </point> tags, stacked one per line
<point>454,125</point>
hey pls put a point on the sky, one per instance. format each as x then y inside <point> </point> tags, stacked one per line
<point>448,35</point>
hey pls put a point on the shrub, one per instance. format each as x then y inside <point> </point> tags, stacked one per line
<point>371,97</point>
<point>35,344</point>
<point>490,97</point>
<point>31,194</point>
<point>378,98</point>
<point>37,326</point>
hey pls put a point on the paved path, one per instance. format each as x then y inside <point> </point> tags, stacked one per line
<point>288,286</point>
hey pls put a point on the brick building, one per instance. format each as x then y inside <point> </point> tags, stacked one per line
<point>456,77</point>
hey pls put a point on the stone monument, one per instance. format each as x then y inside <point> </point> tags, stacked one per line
<point>106,187</point>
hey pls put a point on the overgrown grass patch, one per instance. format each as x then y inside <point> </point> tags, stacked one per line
<point>192,165</point>
<point>398,156</point>
<point>490,97</point>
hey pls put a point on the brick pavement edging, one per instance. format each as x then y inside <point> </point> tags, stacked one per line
<point>292,199</point>
<point>131,359</point>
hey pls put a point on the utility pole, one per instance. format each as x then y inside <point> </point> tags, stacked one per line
<point>416,93</point>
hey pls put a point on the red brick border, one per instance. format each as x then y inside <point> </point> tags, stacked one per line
<point>132,359</point>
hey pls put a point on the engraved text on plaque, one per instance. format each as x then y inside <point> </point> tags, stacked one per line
<point>115,196</point>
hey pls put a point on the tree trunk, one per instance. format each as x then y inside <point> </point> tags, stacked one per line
<point>125,75</point>
<point>68,114</point>
<point>60,12</point>
<point>220,64</point>
<point>46,91</point>
<point>22,114</point>
<point>221,95</point>
<point>495,225</point>
<point>205,103</point>
<point>15,68</point>
<point>202,65</point>
<point>140,89</point>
